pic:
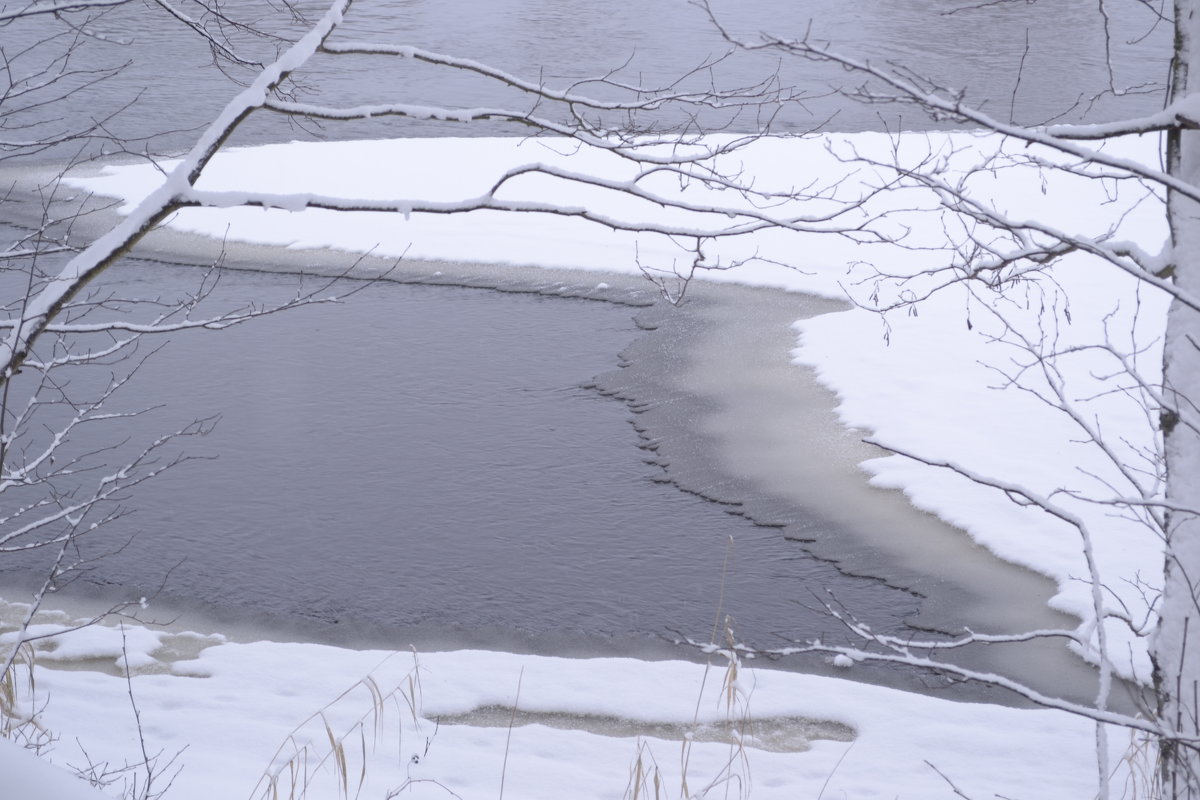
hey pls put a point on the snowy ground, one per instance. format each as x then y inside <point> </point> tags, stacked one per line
<point>583,725</point>
<point>927,386</point>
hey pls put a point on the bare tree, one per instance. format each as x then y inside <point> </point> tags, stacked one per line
<point>993,252</point>
<point>1005,260</point>
<point>58,484</point>
<point>714,206</point>
<point>68,347</point>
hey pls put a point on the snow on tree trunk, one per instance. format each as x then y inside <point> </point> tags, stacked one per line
<point>1176,645</point>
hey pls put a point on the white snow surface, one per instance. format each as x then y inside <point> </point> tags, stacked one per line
<point>931,386</point>
<point>235,705</point>
<point>27,777</point>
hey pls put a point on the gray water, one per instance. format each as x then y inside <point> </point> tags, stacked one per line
<point>1030,62</point>
<point>427,464</point>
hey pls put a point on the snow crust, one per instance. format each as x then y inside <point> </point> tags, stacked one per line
<point>65,644</point>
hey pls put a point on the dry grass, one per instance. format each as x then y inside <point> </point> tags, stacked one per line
<point>337,741</point>
<point>18,703</point>
<point>1140,768</point>
<point>318,744</point>
<point>732,778</point>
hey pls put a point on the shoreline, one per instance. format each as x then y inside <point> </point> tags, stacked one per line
<point>725,427</point>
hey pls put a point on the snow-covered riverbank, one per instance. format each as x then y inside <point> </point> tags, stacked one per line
<point>582,727</point>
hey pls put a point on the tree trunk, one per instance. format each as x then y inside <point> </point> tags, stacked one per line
<point>1175,648</point>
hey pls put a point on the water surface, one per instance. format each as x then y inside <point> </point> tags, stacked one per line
<point>1028,62</point>
<point>427,465</point>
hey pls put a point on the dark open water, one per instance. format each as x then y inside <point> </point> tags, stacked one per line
<point>426,464</point>
<point>1028,61</point>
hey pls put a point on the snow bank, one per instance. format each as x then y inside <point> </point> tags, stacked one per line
<point>237,703</point>
<point>27,777</point>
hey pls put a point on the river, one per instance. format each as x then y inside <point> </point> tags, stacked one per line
<point>1030,62</point>
<point>447,466</point>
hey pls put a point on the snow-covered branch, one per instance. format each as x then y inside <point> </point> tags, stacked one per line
<point>708,220</point>
<point>908,89</point>
<point>33,8</point>
<point>24,528</point>
<point>909,656</point>
<point>40,310</point>
<point>644,98</point>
